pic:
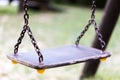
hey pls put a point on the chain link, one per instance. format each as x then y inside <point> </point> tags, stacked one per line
<point>99,35</point>
<point>93,8</point>
<point>82,33</point>
<point>27,28</point>
<point>19,40</point>
<point>92,21</point>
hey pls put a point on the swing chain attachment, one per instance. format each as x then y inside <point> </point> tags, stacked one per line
<point>93,8</point>
<point>27,28</point>
<point>92,21</point>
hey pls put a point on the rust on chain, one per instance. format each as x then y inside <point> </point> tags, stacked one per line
<point>27,28</point>
<point>92,21</point>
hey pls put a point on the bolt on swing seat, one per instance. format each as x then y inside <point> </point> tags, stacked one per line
<point>57,57</point>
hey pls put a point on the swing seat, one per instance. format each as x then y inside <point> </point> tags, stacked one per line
<point>59,56</point>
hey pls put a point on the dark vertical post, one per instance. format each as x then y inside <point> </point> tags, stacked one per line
<point>107,25</point>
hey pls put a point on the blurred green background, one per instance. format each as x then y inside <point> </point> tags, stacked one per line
<point>53,29</point>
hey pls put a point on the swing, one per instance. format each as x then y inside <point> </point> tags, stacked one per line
<point>67,55</point>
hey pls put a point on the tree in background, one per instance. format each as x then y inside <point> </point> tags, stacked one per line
<point>36,5</point>
<point>46,4</point>
<point>99,3</point>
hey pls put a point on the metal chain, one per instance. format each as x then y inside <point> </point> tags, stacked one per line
<point>99,35</point>
<point>93,10</point>
<point>19,40</point>
<point>92,21</point>
<point>82,33</point>
<point>88,25</point>
<point>27,28</point>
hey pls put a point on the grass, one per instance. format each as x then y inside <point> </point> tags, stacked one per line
<point>53,30</point>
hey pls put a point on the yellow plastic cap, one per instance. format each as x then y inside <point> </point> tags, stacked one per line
<point>14,62</point>
<point>103,59</point>
<point>41,71</point>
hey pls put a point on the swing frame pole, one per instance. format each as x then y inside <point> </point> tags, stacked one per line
<point>107,26</point>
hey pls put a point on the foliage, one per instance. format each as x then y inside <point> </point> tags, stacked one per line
<point>99,3</point>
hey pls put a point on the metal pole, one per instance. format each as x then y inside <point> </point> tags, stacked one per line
<point>107,26</point>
